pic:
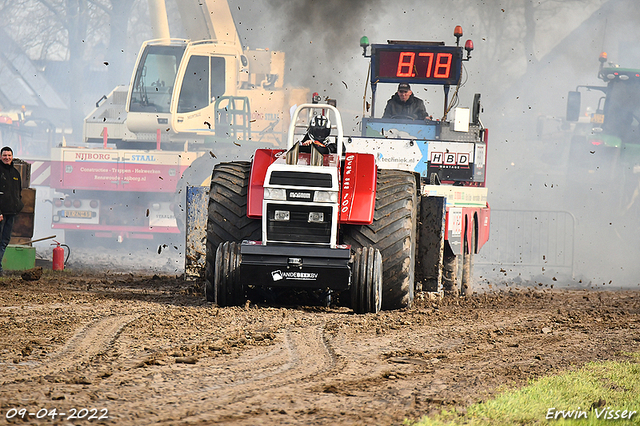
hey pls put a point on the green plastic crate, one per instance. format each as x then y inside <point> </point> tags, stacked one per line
<point>19,258</point>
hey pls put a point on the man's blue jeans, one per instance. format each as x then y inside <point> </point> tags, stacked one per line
<point>6,226</point>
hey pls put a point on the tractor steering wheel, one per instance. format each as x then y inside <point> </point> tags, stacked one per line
<point>403,117</point>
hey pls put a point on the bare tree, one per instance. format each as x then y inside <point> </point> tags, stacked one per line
<point>514,34</point>
<point>70,31</point>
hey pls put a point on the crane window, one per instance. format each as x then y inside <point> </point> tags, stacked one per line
<point>155,78</point>
<point>194,93</point>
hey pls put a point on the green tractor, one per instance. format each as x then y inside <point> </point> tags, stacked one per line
<point>605,146</point>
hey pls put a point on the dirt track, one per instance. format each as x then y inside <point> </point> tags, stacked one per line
<point>150,350</point>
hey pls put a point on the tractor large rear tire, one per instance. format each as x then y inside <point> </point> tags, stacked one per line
<point>393,232</point>
<point>227,220</point>
<point>366,286</point>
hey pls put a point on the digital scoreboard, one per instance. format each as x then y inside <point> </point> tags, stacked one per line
<point>416,63</point>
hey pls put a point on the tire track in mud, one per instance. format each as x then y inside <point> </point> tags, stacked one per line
<point>303,353</point>
<point>307,356</point>
<point>88,341</point>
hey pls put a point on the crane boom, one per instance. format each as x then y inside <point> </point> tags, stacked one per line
<point>159,21</point>
<point>208,20</point>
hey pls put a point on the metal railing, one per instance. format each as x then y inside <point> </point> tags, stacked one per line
<point>530,238</point>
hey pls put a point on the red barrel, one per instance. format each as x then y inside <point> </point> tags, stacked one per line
<point>58,258</point>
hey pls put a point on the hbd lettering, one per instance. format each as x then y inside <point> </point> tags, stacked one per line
<point>604,414</point>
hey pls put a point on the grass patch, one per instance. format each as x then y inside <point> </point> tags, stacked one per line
<point>598,388</point>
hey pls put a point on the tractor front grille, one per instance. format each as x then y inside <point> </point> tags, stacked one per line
<point>298,229</point>
<point>309,180</point>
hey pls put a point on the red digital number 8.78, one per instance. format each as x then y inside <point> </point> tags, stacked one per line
<point>441,68</point>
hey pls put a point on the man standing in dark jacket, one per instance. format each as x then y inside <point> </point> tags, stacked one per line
<point>10,198</point>
<point>403,104</point>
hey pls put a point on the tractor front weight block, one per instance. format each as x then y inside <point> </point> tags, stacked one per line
<point>300,267</point>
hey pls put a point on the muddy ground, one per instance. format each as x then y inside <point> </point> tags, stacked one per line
<point>145,349</point>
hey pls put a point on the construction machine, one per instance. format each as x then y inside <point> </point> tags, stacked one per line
<point>190,104</point>
<point>363,220</point>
